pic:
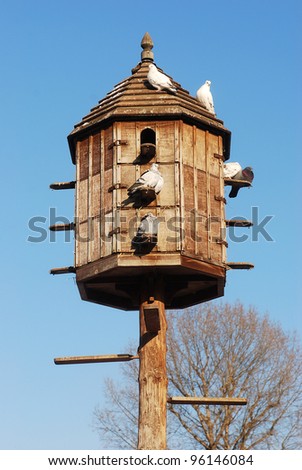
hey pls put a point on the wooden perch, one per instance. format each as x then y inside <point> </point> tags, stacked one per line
<point>117,186</point>
<point>206,401</point>
<point>63,270</point>
<point>238,183</point>
<point>117,142</point>
<point>240,265</point>
<point>61,227</point>
<point>67,185</point>
<point>238,223</point>
<point>93,359</point>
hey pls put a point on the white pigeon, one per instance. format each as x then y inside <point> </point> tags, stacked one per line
<point>159,80</point>
<point>205,97</point>
<point>231,169</point>
<point>150,179</point>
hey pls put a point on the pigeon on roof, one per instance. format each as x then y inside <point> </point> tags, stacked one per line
<point>150,179</point>
<point>159,80</point>
<point>205,97</point>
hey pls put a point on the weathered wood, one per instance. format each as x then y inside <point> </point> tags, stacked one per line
<point>207,191</point>
<point>206,401</point>
<point>190,146</point>
<point>219,156</point>
<point>94,359</point>
<point>152,375</point>
<point>220,241</point>
<point>64,185</point>
<point>216,217</point>
<point>63,270</point>
<point>61,227</point>
<point>221,191</point>
<point>239,265</point>
<point>220,198</point>
<point>117,143</point>
<point>237,183</point>
<point>151,317</point>
<point>117,186</point>
<point>238,223</point>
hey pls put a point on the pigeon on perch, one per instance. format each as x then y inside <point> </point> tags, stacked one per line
<point>150,179</point>
<point>159,80</point>
<point>233,170</point>
<point>205,97</point>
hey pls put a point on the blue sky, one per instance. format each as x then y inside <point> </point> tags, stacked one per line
<point>57,60</point>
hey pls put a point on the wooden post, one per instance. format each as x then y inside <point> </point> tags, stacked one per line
<point>152,371</point>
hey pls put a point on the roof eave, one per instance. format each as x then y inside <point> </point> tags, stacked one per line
<point>174,112</point>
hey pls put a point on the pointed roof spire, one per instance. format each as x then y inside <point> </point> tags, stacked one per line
<point>147,46</point>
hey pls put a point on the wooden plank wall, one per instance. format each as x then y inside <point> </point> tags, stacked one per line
<point>93,200</point>
<point>186,208</point>
<point>165,207</point>
<point>201,178</point>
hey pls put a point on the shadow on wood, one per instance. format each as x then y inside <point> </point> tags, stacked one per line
<point>140,198</point>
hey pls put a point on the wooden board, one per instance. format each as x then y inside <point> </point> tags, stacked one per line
<point>186,206</point>
<point>206,401</point>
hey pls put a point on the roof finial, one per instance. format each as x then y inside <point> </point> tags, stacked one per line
<point>147,44</point>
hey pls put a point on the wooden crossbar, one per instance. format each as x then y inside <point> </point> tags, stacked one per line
<point>65,185</point>
<point>63,270</point>
<point>93,359</point>
<point>238,223</point>
<point>207,401</point>
<point>240,265</point>
<point>62,227</point>
<point>238,183</point>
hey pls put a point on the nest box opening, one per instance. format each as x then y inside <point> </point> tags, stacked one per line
<point>148,144</point>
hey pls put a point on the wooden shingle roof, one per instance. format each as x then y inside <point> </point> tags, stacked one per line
<point>135,99</point>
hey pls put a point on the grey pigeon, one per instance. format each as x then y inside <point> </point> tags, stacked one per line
<point>205,97</point>
<point>147,226</point>
<point>246,175</point>
<point>150,179</point>
<point>146,236</point>
<point>159,80</point>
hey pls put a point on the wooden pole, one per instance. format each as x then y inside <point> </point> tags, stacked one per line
<point>152,371</point>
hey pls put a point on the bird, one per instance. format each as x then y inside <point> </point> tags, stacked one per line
<point>147,226</point>
<point>150,179</point>
<point>205,97</point>
<point>146,235</point>
<point>159,80</point>
<point>233,170</point>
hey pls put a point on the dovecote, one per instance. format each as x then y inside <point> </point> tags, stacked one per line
<point>131,128</point>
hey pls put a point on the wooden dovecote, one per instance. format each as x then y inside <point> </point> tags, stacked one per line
<point>132,127</point>
<point>150,225</point>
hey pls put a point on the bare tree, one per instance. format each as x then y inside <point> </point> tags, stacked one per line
<point>225,351</point>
